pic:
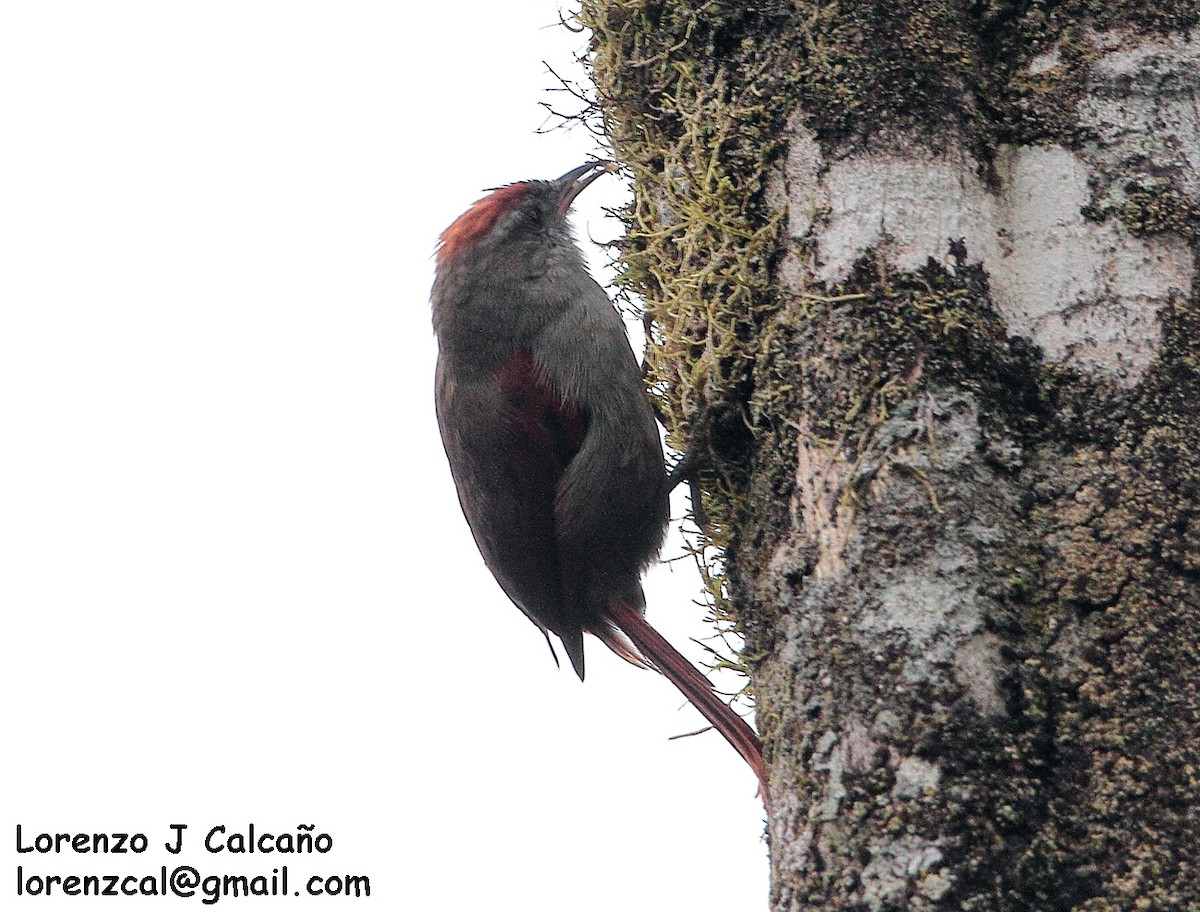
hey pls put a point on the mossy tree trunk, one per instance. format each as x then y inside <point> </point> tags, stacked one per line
<point>923,285</point>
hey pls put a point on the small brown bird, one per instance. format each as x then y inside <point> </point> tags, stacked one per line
<point>551,439</point>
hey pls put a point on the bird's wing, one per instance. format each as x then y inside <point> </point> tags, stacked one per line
<point>508,498</point>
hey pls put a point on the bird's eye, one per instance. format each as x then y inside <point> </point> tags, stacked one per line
<point>534,220</point>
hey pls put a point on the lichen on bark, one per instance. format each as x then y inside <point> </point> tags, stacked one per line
<point>967,566</point>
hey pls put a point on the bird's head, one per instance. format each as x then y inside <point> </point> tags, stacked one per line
<point>515,215</point>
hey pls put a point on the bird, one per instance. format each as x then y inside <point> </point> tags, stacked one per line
<point>552,442</point>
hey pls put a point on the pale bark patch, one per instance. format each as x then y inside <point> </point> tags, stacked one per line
<point>931,608</point>
<point>896,865</point>
<point>820,476</point>
<point>851,753</point>
<point>912,203</point>
<point>977,670</point>
<point>1143,104</point>
<point>1044,63</point>
<point>916,778</point>
<point>1088,293</point>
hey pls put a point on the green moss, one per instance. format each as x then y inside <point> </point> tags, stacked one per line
<point>695,96</point>
<point>1097,554</point>
<point>905,64</point>
<point>694,108</point>
<point>1126,701</point>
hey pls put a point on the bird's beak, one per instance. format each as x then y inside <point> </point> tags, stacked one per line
<point>575,181</point>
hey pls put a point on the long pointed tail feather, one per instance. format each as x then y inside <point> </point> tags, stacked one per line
<point>618,642</point>
<point>691,683</point>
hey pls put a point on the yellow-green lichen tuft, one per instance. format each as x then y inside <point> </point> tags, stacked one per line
<point>689,100</point>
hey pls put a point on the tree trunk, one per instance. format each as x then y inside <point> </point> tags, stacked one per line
<point>922,280</point>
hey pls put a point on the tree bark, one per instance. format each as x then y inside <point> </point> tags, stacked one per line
<point>922,281</point>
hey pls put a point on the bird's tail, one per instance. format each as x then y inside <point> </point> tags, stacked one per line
<point>619,643</point>
<point>664,658</point>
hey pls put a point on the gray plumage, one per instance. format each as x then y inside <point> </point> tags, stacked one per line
<point>550,436</point>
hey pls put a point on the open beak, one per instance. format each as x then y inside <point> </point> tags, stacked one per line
<point>575,181</point>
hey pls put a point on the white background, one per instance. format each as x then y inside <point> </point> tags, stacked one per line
<point>236,585</point>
